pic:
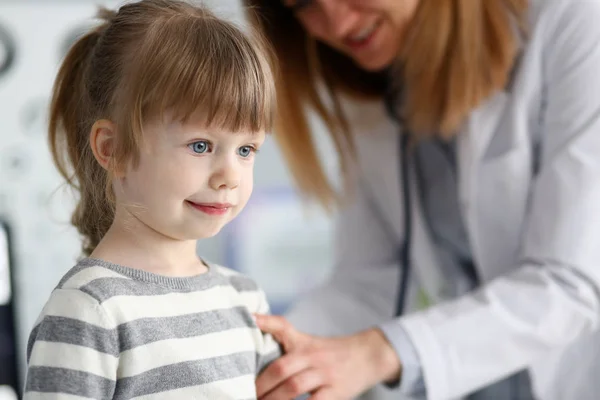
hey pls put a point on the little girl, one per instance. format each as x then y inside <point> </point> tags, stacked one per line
<point>156,118</point>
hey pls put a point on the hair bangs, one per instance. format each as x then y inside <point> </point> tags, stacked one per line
<point>221,74</point>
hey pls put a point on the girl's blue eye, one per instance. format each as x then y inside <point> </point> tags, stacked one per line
<point>199,147</point>
<point>246,151</point>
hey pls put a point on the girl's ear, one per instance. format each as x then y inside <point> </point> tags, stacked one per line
<point>102,142</point>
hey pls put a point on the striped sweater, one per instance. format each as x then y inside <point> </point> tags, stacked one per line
<point>111,332</point>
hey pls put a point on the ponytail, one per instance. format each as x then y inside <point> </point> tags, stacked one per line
<point>72,114</point>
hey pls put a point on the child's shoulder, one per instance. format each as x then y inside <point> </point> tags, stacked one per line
<point>77,300</point>
<point>93,278</point>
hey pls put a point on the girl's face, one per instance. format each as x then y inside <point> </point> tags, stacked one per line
<point>190,181</point>
<point>371,32</point>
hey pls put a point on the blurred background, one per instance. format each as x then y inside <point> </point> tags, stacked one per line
<point>284,245</point>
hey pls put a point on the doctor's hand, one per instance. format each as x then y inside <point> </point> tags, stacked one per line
<point>327,368</point>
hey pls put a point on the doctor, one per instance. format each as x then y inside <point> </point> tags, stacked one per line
<point>468,237</point>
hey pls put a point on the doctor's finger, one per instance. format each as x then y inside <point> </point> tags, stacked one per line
<point>325,393</point>
<point>307,381</point>
<point>280,371</point>
<point>279,327</point>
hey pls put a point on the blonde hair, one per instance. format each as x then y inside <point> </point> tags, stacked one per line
<point>457,53</point>
<point>149,57</point>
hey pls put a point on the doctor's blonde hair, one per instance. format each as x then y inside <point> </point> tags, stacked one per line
<point>457,54</point>
<point>150,57</point>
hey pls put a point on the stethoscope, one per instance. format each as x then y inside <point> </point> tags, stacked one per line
<point>404,257</point>
<point>390,100</point>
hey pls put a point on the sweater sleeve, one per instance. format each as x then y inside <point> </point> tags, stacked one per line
<point>72,351</point>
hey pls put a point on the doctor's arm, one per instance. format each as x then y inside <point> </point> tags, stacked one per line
<point>553,297</point>
<point>360,294</point>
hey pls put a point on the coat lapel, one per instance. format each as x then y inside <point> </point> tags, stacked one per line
<point>473,142</point>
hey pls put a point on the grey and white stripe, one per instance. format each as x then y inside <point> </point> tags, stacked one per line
<point>112,332</point>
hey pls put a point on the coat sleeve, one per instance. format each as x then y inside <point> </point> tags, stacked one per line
<point>361,290</point>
